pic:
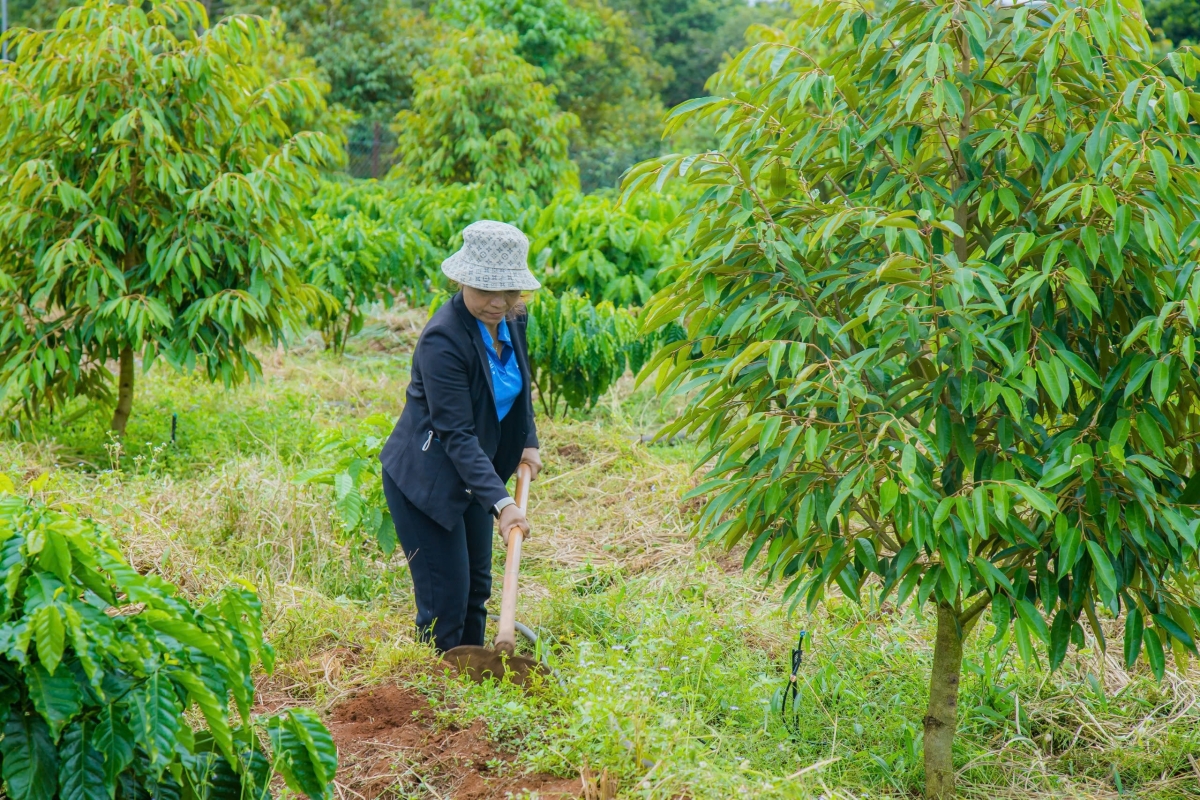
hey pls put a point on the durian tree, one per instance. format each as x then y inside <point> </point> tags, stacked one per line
<point>941,324</point>
<point>149,174</point>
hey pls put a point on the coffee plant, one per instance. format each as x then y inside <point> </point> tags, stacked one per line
<point>352,468</point>
<point>578,349</point>
<point>592,245</point>
<point>100,666</point>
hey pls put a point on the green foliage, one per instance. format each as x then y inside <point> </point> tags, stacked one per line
<point>577,349</point>
<point>99,665</point>
<point>548,32</point>
<point>1178,20</point>
<point>692,37</point>
<point>480,115</point>
<point>352,468</point>
<point>368,50</point>
<point>361,252</point>
<point>619,253</point>
<point>941,325</point>
<point>373,242</point>
<point>157,225</point>
<point>589,53</point>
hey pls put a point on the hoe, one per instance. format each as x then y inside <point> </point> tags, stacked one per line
<point>501,661</point>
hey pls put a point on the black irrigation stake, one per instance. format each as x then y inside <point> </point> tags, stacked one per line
<point>789,709</point>
<point>174,421</point>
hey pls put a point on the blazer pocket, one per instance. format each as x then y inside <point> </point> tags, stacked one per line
<point>447,497</point>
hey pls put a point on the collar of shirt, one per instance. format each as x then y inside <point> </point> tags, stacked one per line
<point>502,334</point>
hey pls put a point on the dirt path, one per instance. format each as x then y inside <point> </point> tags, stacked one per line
<point>389,739</point>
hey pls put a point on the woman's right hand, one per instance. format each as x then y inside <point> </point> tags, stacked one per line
<point>511,516</point>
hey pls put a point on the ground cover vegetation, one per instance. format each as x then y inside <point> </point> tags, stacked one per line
<point>935,353</point>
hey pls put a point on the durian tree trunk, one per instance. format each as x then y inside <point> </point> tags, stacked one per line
<point>941,720</point>
<point>124,392</point>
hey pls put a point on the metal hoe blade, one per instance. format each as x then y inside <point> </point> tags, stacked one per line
<point>483,663</point>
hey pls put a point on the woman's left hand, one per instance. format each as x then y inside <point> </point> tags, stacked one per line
<point>531,457</point>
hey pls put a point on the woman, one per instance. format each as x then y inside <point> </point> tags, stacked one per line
<point>466,425</point>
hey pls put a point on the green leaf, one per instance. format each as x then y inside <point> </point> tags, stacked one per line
<point>113,739</point>
<point>216,712</point>
<point>1060,638</point>
<point>1154,653</point>
<point>56,697</point>
<point>28,757</point>
<point>1105,575</point>
<point>81,773</point>
<point>888,493</point>
<point>1001,616</point>
<point>1151,435</point>
<point>49,635</point>
<point>1033,618</point>
<point>1133,636</point>
<point>386,534</point>
<point>1160,381</point>
<point>155,717</point>
<point>304,752</point>
<point>1179,634</point>
<point>1053,377</point>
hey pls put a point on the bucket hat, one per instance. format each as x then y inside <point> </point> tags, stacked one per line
<point>494,257</point>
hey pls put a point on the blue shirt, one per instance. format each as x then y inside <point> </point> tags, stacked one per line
<point>506,372</point>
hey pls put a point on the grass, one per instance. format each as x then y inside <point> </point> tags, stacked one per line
<point>670,661</point>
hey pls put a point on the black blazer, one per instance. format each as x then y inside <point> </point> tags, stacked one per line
<point>449,448</point>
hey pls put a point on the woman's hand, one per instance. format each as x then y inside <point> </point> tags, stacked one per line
<point>512,516</point>
<point>531,457</point>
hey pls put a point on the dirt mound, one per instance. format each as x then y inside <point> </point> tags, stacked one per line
<point>388,739</point>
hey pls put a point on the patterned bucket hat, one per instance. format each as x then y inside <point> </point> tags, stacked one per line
<point>494,257</point>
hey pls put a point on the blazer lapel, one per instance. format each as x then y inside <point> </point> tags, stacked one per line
<point>472,326</point>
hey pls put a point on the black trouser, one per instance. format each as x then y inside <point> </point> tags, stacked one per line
<point>451,569</point>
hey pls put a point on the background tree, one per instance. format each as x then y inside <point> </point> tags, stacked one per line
<point>366,52</point>
<point>140,213</point>
<point>1178,20</point>
<point>481,115</point>
<point>691,37</point>
<point>35,13</point>
<point>941,328</point>
<point>588,52</point>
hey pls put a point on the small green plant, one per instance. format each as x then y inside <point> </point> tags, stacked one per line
<point>577,349</point>
<point>356,476</point>
<point>362,250</point>
<point>99,665</point>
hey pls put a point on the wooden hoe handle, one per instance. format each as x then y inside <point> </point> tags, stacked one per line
<point>506,637</point>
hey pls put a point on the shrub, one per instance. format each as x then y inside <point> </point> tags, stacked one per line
<point>577,349</point>
<point>360,252</point>
<point>619,253</point>
<point>99,665</point>
<point>356,475</point>
<point>941,325</point>
<point>142,213</point>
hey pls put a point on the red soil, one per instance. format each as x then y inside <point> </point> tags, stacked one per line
<point>388,737</point>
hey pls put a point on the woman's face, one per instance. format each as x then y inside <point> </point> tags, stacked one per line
<point>490,307</point>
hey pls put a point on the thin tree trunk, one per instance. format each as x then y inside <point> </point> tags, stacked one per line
<point>942,718</point>
<point>124,393</point>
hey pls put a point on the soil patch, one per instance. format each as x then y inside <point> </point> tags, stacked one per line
<point>389,742</point>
